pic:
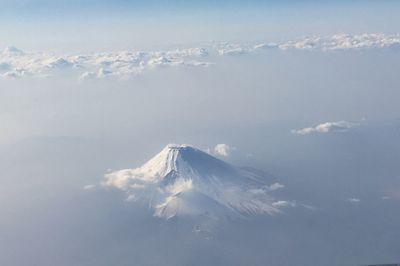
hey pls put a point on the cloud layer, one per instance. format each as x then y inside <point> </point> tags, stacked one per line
<point>317,43</point>
<point>14,63</point>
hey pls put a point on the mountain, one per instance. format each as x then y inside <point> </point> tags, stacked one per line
<point>184,181</point>
<point>12,51</point>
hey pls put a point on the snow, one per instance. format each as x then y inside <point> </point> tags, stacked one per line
<point>182,180</point>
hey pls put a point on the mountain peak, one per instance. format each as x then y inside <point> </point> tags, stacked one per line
<point>178,146</point>
<point>169,159</point>
<point>12,50</point>
<point>183,180</point>
<point>185,160</point>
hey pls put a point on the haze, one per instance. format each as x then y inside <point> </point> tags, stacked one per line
<point>305,91</point>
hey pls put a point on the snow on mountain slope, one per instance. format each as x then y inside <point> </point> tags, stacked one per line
<point>182,180</point>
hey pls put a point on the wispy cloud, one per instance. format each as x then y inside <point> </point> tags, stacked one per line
<point>339,126</point>
<point>89,187</point>
<point>284,204</point>
<point>275,186</point>
<point>354,200</point>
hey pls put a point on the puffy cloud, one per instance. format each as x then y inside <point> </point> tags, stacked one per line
<point>240,49</point>
<point>15,63</point>
<point>15,73</point>
<point>223,150</point>
<point>339,126</point>
<point>57,63</point>
<point>344,42</point>
<point>318,43</point>
<point>233,50</point>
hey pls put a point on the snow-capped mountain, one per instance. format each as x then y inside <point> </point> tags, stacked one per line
<point>182,180</point>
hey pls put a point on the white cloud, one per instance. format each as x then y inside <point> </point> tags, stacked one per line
<point>275,186</point>
<point>354,200</point>
<point>339,126</point>
<point>15,63</point>
<point>317,43</point>
<point>89,187</point>
<point>57,63</point>
<point>283,204</point>
<point>223,150</point>
<point>343,42</point>
<point>131,197</point>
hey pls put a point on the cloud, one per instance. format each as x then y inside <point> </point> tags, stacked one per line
<point>15,63</point>
<point>354,200</point>
<point>335,42</point>
<point>223,150</point>
<point>233,49</point>
<point>89,187</point>
<point>275,186</point>
<point>230,49</point>
<point>283,204</point>
<point>343,42</point>
<point>4,66</point>
<point>339,126</point>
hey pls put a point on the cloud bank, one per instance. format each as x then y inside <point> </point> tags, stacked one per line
<point>15,63</point>
<point>338,42</point>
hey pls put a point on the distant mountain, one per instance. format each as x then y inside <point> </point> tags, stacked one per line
<point>12,51</point>
<point>184,181</point>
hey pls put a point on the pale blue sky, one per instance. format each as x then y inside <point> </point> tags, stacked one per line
<point>110,25</point>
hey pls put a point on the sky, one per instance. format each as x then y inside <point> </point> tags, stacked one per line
<point>116,25</point>
<point>306,91</point>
